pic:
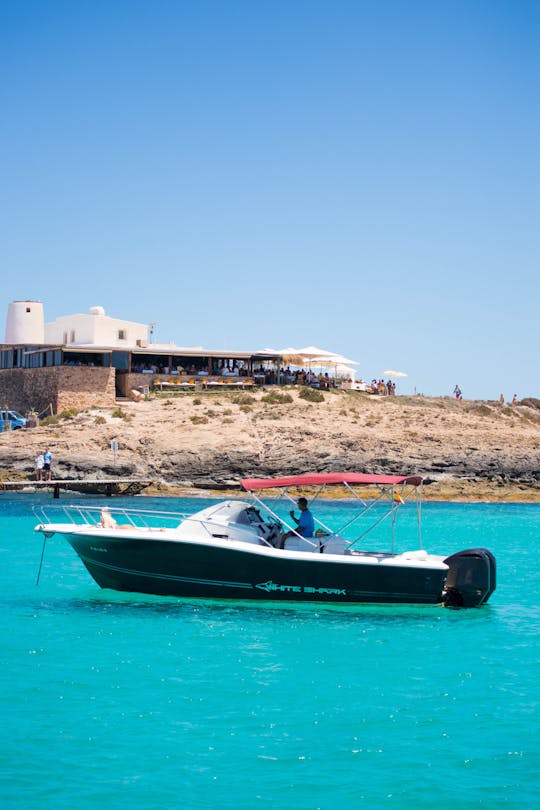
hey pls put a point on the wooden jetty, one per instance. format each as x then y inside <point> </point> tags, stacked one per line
<point>98,486</point>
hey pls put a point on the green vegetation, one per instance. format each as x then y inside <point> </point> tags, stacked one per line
<point>479,410</point>
<point>100,420</point>
<point>276,398</point>
<point>267,415</point>
<point>118,413</point>
<point>199,420</point>
<point>49,420</point>
<point>311,395</point>
<point>243,399</point>
<point>70,413</point>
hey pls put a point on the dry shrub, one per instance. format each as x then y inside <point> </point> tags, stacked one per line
<point>199,420</point>
<point>276,398</point>
<point>243,399</point>
<point>311,395</point>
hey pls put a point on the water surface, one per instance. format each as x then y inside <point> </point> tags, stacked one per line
<point>156,702</point>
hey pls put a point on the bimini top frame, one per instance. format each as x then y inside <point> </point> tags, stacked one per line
<point>392,488</point>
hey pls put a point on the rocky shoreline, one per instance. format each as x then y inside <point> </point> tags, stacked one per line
<point>207,442</point>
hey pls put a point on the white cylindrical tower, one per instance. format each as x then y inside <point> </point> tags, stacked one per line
<point>25,323</point>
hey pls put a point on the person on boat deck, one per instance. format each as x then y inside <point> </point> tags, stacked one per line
<point>106,519</point>
<point>305,523</point>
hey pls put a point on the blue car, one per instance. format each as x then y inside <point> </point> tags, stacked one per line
<point>11,420</point>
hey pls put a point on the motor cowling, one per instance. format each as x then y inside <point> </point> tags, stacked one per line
<point>471,578</point>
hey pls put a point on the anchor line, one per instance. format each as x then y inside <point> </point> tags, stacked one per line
<point>42,556</point>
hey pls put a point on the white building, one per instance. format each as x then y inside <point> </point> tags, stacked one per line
<point>25,323</point>
<point>96,329</point>
<point>83,360</point>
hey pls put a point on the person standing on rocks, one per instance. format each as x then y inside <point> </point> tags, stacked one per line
<point>47,461</point>
<point>38,465</point>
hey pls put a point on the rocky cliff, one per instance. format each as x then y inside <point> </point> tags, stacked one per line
<point>212,440</point>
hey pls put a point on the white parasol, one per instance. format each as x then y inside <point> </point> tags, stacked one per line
<point>291,356</point>
<point>310,352</point>
<point>345,371</point>
<point>322,358</point>
<point>333,360</point>
<point>391,373</point>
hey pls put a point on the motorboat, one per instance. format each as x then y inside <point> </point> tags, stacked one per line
<point>240,549</point>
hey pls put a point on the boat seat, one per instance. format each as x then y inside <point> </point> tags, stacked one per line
<point>302,544</point>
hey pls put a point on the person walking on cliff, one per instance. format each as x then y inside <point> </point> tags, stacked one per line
<point>457,392</point>
<point>47,461</point>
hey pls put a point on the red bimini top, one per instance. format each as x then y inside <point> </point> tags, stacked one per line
<point>320,479</point>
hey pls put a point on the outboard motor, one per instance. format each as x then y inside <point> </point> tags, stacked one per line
<point>471,578</point>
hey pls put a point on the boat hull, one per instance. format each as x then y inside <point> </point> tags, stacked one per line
<point>191,569</point>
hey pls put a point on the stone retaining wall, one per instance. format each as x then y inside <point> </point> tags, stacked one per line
<point>61,387</point>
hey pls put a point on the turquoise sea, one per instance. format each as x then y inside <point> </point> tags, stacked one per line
<point>114,700</point>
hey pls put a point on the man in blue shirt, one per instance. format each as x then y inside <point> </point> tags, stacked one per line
<point>47,461</point>
<point>305,523</point>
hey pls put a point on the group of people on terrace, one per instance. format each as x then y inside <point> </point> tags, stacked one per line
<point>226,369</point>
<point>303,377</point>
<point>268,374</point>
<point>382,388</point>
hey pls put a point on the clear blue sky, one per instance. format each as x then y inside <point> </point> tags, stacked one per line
<point>359,175</point>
